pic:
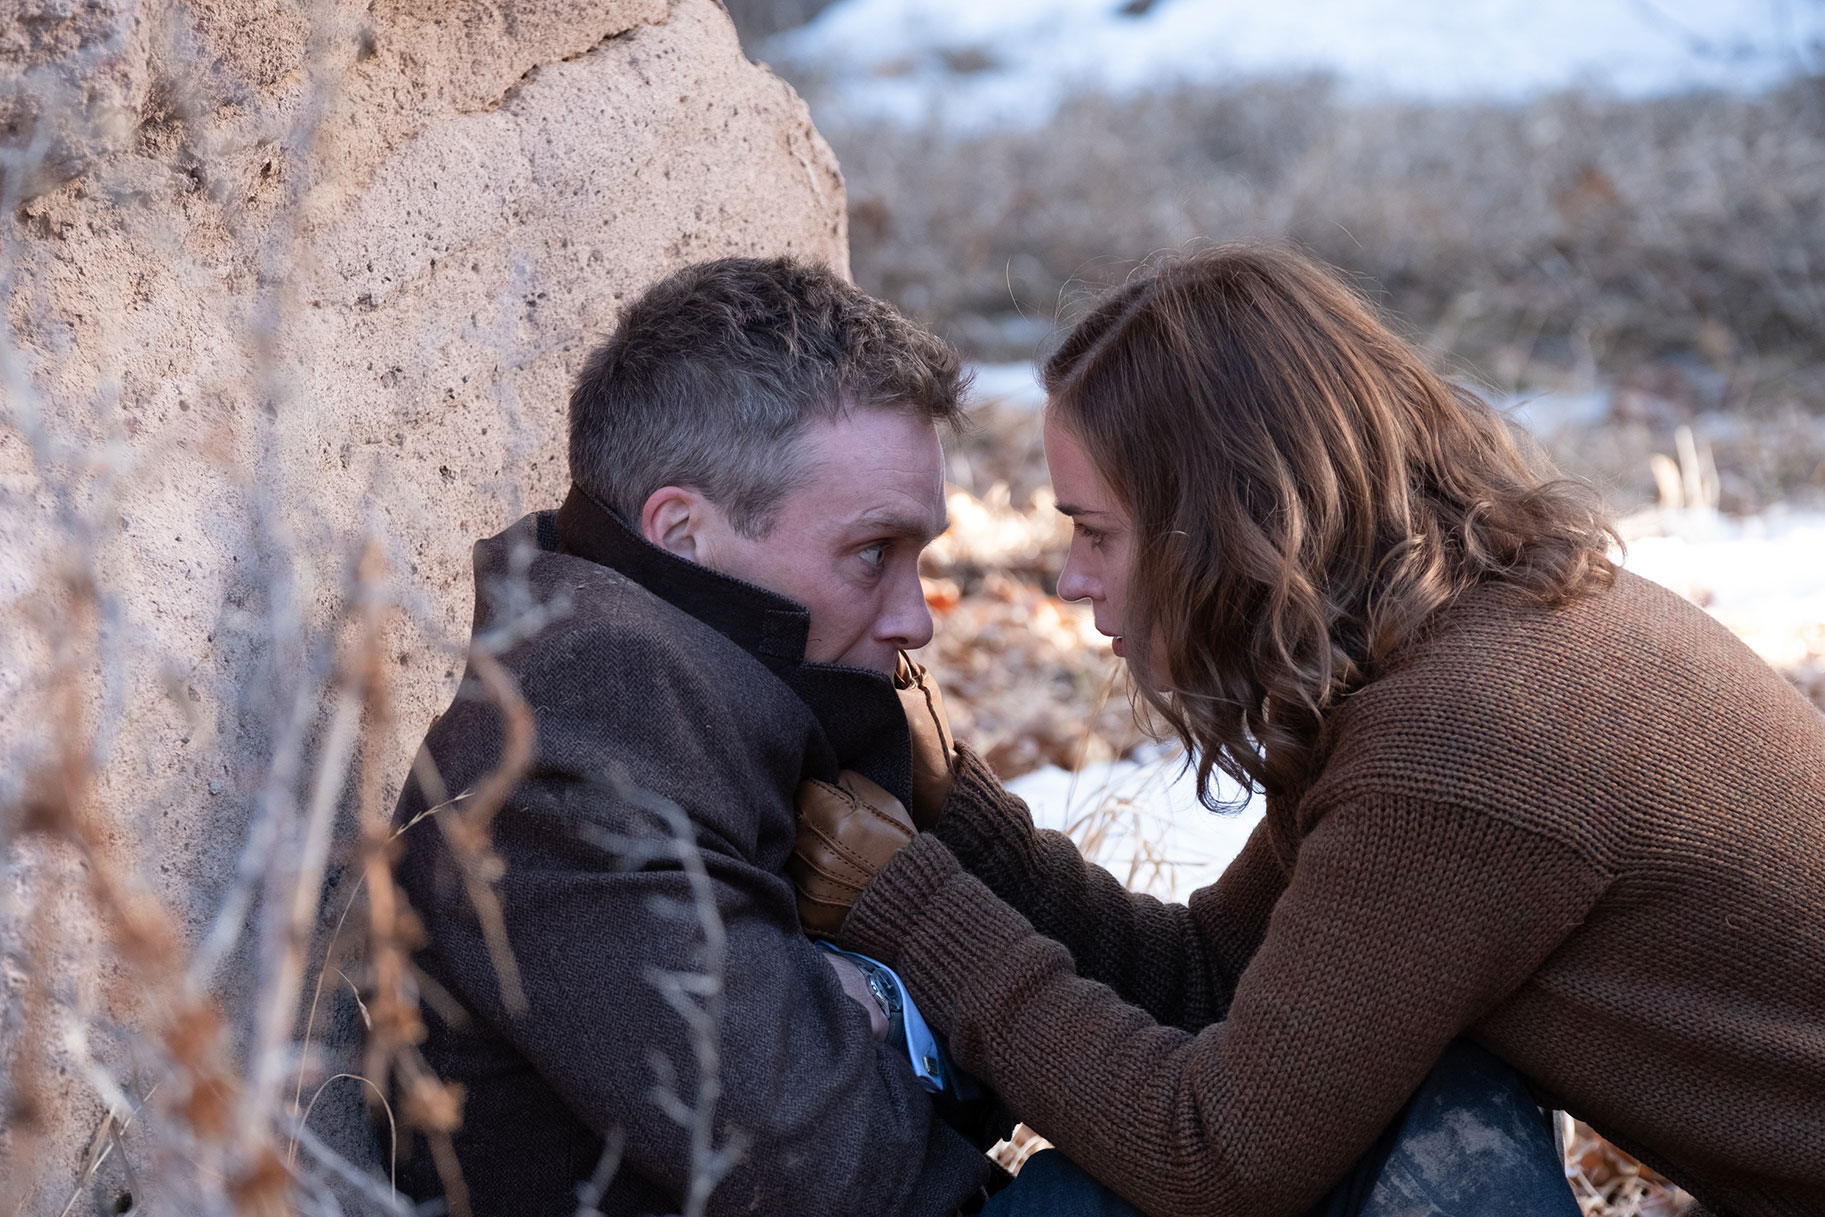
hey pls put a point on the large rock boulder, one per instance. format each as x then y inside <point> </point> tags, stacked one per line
<point>293,295</point>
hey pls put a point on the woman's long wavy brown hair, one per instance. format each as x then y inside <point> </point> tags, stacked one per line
<point>1305,493</point>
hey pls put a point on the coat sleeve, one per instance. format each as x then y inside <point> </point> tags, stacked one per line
<point>1152,953</point>
<point>824,1119</point>
<point>1403,924</point>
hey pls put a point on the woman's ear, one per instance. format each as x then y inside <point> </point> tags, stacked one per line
<point>673,518</point>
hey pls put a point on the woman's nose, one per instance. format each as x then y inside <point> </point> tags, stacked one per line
<point>1074,584</point>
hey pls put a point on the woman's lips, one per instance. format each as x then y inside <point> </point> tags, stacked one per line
<point>1115,644</point>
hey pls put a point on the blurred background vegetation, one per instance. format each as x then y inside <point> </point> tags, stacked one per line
<point>1647,260</point>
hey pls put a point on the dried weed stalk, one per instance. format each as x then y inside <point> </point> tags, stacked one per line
<point>695,996</point>
<point>210,1090</point>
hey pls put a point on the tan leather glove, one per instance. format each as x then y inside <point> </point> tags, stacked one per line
<point>934,752</point>
<point>847,830</point>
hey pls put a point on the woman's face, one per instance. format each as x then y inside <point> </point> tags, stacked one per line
<point>1101,537</point>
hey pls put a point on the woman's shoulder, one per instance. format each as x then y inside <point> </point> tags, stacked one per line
<point>1499,650</point>
<point>1628,642</point>
<point>1522,708</point>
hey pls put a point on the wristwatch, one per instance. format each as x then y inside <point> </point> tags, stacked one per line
<point>886,994</point>
<point>884,990</point>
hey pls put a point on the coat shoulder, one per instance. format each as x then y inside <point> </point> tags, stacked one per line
<point>619,681</point>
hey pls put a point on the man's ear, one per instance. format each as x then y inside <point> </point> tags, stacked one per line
<point>673,518</point>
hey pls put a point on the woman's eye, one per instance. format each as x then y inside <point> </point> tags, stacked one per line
<point>876,554</point>
<point>1094,537</point>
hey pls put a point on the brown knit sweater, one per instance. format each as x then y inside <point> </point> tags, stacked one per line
<point>1590,839</point>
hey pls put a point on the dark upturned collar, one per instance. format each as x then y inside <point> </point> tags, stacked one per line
<point>767,625</point>
<point>857,708</point>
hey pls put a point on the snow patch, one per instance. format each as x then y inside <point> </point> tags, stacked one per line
<point>1141,820</point>
<point>1762,576</point>
<point>971,65</point>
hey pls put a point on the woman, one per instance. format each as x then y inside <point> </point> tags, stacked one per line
<point>1517,798</point>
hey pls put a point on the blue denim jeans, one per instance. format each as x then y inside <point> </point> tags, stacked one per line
<point>1469,1143</point>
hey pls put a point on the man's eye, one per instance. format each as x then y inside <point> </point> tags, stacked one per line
<point>876,554</point>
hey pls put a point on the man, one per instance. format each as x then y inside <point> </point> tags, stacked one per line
<point>711,618</point>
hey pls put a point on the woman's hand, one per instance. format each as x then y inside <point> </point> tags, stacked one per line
<point>934,752</point>
<point>847,830</point>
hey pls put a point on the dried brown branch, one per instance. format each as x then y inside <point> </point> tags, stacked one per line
<point>467,823</point>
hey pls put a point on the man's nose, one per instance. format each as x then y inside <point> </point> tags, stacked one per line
<point>907,623</point>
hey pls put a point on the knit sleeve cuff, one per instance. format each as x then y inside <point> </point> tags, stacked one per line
<point>891,903</point>
<point>940,927</point>
<point>988,829</point>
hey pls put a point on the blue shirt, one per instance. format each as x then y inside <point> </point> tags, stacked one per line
<point>921,1045</point>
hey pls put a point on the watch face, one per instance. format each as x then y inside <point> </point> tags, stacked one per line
<point>885,992</point>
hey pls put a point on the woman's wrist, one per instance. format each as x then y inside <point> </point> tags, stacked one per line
<point>988,828</point>
<point>889,909</point>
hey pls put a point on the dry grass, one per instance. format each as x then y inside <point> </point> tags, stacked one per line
<point>1665,253</point>
<point>1609,1183</point>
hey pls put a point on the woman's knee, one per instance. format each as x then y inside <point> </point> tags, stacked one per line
<point>1471,1141</point>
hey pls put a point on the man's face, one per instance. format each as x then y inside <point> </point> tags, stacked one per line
<point>845,543</point>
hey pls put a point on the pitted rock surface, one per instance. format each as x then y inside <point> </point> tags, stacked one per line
<point>280,278</point>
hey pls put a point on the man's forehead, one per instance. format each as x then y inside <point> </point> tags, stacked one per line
<point>884,472</point>
<point>883,499</point>
<point>905,520</point>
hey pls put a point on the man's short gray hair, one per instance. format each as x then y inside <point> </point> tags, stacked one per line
<point>714,372</point>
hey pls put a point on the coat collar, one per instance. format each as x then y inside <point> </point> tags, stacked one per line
<point>858,708</point>
<point>767,625</point>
